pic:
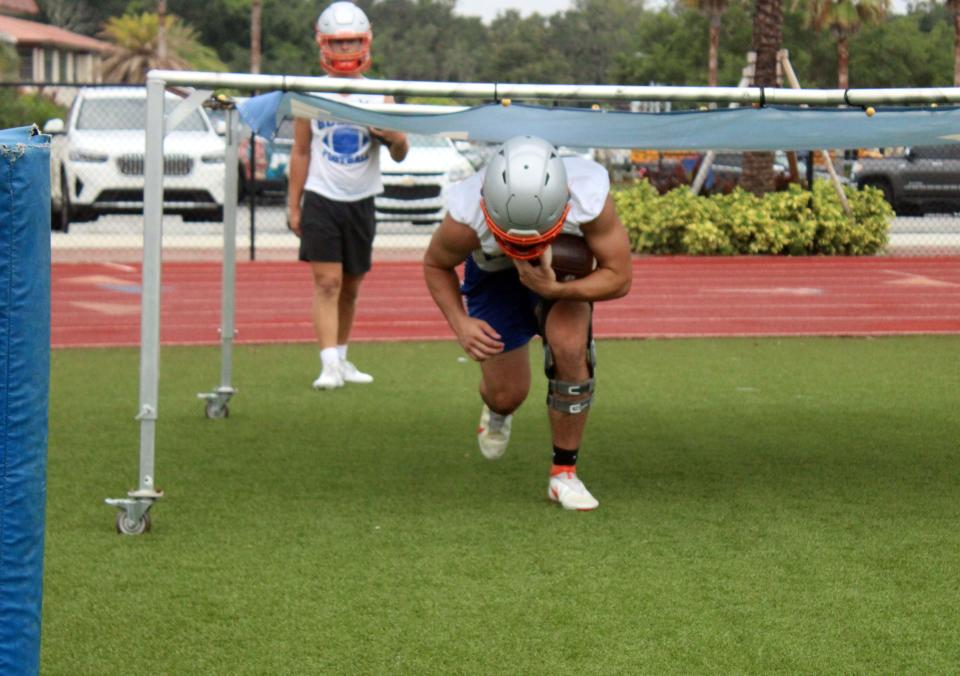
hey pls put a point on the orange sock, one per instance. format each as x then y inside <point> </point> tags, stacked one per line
<point>560,469</point>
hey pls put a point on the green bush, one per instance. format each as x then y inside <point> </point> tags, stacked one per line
<point>792,222</point>
<point>20,110</point>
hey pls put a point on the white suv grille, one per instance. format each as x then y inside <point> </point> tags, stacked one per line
<point>173,165</point>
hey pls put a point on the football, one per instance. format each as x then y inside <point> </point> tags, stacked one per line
<point>570,257</point>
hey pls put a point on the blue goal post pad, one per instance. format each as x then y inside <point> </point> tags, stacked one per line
<point>25,376</point>
<point>732,129</point>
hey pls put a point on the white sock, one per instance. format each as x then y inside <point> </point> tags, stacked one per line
<point>342,351</point>
<point>329,356</point>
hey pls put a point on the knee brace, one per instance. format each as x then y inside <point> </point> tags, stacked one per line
<point>569,397</point>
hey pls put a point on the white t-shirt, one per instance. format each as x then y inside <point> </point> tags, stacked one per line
<point>589,186</point>
<point>344,157</point>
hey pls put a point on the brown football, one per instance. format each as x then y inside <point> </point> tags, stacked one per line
<point>570,257</point>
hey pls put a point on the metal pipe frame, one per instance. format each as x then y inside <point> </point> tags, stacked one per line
<point>217,402</point>
<point>134,508</point>
<point>503,90</point>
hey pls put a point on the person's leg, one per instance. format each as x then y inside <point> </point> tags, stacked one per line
<point>567,331</point>
<point>347,306</point>
<point>504,385</point>
<point>321,246</point>
<point>499,299</point>
<point>506,380</point>
<point>358,230</point>
<point>327,283</point>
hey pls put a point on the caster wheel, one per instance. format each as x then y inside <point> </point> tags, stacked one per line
<point>214,411</point>
<point>127,527</point>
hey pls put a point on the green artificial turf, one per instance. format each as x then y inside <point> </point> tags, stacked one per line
<point>766,506</point>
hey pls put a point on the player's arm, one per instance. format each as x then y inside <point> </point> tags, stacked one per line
<point>450,245</point>
<point>610,244</point>
<point>299,165</point>
<point>396,140</point>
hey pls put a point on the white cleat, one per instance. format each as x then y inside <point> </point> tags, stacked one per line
<point>493,434</point>
<point>567,490</point>
<point>351,374</point>
<point>330,378</point>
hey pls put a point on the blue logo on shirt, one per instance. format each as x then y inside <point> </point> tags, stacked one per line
<point>344,143</point>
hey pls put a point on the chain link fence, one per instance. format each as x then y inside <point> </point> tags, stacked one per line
<point>97,184</point>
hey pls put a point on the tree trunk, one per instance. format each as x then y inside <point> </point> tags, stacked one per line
<point>758,176</point>
<point>714,49</point>
<point>255,7</point>
<point>956,43</point>
<point>843,62</point>
<point>162,33</point>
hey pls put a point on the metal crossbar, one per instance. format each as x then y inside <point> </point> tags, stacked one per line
<point>502,90</point>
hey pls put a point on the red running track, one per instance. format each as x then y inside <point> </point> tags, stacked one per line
<point>99,304</point>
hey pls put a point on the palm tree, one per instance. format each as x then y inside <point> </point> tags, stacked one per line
<point>136,48</point>
<point>843,18</point>
<point>713,10</point>
<point>758,176</point>
<point>255,46</point>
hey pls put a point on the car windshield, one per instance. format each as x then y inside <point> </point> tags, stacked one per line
<point>128,115</point>
<point>425,141</point>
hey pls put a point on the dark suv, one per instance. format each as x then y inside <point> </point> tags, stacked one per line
<point>924,179</point>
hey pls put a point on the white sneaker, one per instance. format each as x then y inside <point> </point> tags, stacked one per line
<point>493,434</point>
<point>351,374</point>
<point>570,492</point>
<point>330,378</point>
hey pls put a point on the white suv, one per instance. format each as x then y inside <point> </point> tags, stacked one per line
<point>97,161</point>
<point>415,190</point>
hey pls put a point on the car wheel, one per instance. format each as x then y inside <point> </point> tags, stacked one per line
<point>60,217</point>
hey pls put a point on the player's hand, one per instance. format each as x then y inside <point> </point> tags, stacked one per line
<point>385,135</point>
<point>293,219</point>
<point>478,339</point>
<point>541,279</point>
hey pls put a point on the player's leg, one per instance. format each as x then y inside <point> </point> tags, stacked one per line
<point>321,245</point>
<point>499,299</point>
<point>504,385</point>
<point>568,363</point>
<point>358,230</point>
<point>327,283</point>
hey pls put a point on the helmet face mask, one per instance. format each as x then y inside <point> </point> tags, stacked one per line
<point>529,244</point>
<point>525,198</point>
<point>342,22</point>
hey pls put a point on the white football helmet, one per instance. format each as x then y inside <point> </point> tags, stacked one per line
<point>344,21</point>
<point>525,198</point>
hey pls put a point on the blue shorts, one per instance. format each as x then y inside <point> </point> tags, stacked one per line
<point>499,299</point>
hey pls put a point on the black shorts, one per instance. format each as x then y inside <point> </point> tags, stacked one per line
<point>337,232</point>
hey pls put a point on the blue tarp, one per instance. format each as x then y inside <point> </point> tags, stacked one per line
<point>769,128</point>
<point>24,374</point>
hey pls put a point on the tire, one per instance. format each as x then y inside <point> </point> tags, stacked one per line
<point>60,217</point>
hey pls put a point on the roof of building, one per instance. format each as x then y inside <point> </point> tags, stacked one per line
<point>19,6</point>
<point>24,32</point>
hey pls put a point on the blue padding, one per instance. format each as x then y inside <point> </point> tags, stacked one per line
<point>770,128</point>
<point>24,389</point>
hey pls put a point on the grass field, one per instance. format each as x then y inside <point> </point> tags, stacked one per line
<point>766,506</point>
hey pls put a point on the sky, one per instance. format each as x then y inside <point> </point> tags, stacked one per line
<point>488,9</point>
